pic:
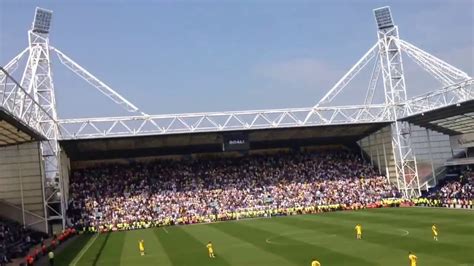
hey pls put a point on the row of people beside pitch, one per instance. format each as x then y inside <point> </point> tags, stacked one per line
<point>231,216</point>
<point>47,247</point>
<point>200,190</point>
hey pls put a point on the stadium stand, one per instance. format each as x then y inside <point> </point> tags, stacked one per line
<point>16,240</point>
<point>137,195</point>
<point>455,190</point>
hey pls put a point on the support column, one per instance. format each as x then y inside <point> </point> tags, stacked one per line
<point>387,170</point>
<point>431,157</point>
<point>370,151</point>
<point>20,176</point>
<point>377,152</point>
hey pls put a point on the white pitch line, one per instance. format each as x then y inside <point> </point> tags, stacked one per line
<point>405,232</point>
<point>165,230</point>
<point>269,239</point>
<point>84,250</point>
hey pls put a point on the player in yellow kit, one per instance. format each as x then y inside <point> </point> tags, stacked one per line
<point>435,232</point>
<point>314,262</point>
<point>412,258</point>
<point>141,247</point>
<point>358,229</point>
<point>210,250</point>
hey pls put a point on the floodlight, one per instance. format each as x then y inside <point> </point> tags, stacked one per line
<point>42,20</point>
<point>383,16</point>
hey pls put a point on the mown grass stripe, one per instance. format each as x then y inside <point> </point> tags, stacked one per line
<point>111,249</point>
<point>302,252</point>
<point>443,250</point>
<point>237,243</point>
<point>331,240</point>
<point>93,252</point>
<point>73,249</point>
<point>154,253</point>
<point>415,217</point>
<point>232,248</point>
<point>420,223</point>
<point>101,249</point>
<point>84,250</point>
<point>374,218</point>
<point>181,246</point>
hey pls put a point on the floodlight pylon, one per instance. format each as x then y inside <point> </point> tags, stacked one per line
<point>391,63</point>
<point>38,83</point>
<point>388,62</point>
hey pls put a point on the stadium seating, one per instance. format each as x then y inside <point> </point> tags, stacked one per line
<point>15,240</point>
<point>456,190</point>
<point>136,195</point>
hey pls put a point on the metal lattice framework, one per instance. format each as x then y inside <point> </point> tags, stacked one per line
<point>34,102</point>
<point>221,121</point>
<point>38,81</point>
<point>450,95</point>
<point>21,105</point>
<point>391,62</point>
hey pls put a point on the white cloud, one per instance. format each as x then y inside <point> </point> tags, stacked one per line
<point>306,73</point>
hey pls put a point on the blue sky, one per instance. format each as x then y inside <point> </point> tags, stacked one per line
<point>193,56</point>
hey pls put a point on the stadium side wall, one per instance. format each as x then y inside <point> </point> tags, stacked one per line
<point>21,185</point>
<point>432,149</point>
<point>378,147</point>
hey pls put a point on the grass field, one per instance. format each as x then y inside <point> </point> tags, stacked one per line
<point>388,236</point>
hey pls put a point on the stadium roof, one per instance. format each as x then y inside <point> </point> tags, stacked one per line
<point>130,147</point>
<point>13,131</point>
<point>451,120</point>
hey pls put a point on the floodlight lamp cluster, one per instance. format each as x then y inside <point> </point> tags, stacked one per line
<point>42,21</point>
<point>383,17</point>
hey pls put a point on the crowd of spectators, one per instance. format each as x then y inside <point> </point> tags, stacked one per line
<point>164,192</point>
<point>123,196</point>
<point>455,191</point>
<point>15,240</point>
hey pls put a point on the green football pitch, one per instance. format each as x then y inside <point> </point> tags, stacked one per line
<point>388,235</point>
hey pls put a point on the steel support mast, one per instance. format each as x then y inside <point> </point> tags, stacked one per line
<point>37,81</point>
<point>390,58</point>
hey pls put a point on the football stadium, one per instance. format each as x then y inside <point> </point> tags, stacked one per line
<point>386,181</point>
